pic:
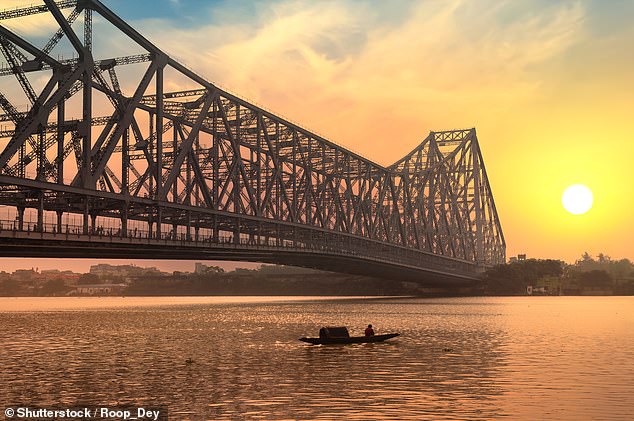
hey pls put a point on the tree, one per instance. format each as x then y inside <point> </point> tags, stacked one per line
<point>503,279</point>
<point>9,287</point>
<point>513,278</point>
<point>586,263</point>
<point>88,278</point>
<point>53,287</point>
<point>595,278</point>
<point>585,257</point>
<point>618,269</point>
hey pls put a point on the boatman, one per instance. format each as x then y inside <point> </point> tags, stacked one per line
<point>369,331</point>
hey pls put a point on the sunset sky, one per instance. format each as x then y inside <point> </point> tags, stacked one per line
<point>549,87</point>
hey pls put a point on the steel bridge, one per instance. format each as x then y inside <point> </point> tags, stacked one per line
<point>103,164</point>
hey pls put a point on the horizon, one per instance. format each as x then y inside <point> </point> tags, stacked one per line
<point>79,265</point>
<point>180,265</point>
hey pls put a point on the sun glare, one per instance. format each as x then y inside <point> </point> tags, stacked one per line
<point>577,199</point>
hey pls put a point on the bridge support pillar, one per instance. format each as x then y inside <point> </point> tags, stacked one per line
<point>159,222</point>
<point>86,216</point>
<point>196,230</point>
<point>20,218</point>
<point>188,235</point>
<point>236,232</point>
<point>214,229</point>
<point>149,228</point>
<point>59,221</point>
<point>124,222</point>
<point>93,222</point>
<point>40,213</point>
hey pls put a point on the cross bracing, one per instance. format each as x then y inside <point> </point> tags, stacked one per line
<point>203,163</point>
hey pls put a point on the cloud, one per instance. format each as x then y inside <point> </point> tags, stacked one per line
<point>362,68</point>
<point>38,25</point>
<point>365,72</point>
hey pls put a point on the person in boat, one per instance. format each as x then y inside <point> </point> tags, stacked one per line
<point>369,331</point>
<point>323,334</point>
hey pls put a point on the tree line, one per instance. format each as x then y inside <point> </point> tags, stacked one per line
<point>588,275</point>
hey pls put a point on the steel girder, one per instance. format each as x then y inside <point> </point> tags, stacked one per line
<point>205,159</point>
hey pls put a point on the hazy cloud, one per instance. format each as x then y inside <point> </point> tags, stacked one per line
<point>38,25</point>
<point>371,68</point>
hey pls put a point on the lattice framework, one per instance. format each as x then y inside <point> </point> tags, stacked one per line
<point>204,159</point>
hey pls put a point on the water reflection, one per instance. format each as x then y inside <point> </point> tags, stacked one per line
<point>468,359</point>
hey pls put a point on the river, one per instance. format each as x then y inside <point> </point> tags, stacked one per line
<point>526,358</point>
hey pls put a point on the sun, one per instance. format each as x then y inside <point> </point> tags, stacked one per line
<point>577,199</point>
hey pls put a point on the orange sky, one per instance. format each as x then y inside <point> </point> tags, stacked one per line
<point>548,87</point>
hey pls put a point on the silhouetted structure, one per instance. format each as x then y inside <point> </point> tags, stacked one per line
<point>203,174</point>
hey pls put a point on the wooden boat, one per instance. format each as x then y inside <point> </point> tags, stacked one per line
<point>340,335</point>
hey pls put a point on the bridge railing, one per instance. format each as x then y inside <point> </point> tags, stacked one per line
<point>357,248</point>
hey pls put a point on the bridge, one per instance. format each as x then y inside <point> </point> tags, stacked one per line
<point>105,161</point>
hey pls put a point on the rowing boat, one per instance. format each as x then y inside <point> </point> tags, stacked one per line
<point>340,335</point>
<point>349,340</point>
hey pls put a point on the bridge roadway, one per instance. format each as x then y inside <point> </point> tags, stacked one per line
<point>109,243</point>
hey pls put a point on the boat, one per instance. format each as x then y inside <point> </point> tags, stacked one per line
<point>340,335</point>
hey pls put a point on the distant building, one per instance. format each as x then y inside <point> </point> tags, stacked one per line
<point>69,277</point>
<point>24,274</point>
<point>180,273</point>
<point>200,268</point>
<point>518,258</point>
<point>123,272</point>
<point>547,285</point>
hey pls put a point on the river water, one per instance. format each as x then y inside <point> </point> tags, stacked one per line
<point>460,358</point>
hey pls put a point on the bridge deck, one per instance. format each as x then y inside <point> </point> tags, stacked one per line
<point>109,244</point>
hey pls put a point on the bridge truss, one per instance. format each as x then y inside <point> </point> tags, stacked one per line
<point>201,173</point>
